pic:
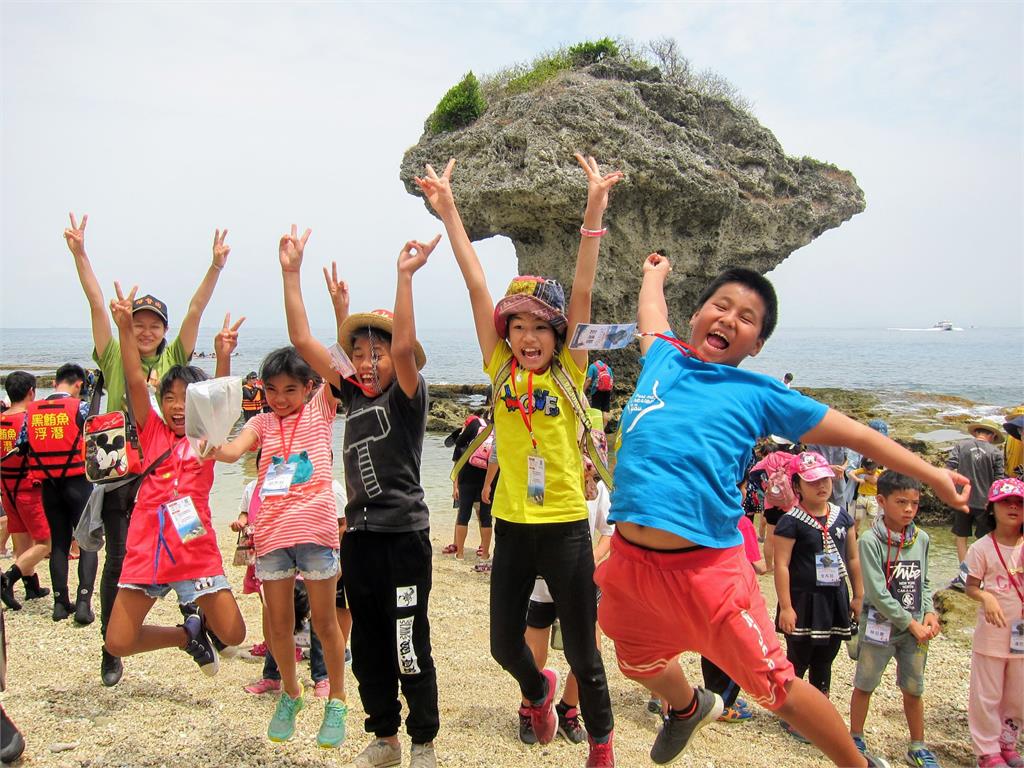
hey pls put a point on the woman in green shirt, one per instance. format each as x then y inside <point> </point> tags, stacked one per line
<point>150,322</point>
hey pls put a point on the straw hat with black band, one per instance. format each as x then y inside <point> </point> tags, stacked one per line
<point>988,426</point>
<point>380,320</point>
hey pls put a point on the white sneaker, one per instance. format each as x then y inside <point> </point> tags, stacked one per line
<point>423,756</point>
<point>379,753</point>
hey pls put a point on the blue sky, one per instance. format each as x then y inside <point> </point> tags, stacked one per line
<point>165,121</point>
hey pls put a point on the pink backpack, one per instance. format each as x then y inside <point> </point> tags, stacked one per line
<point>778,490</point>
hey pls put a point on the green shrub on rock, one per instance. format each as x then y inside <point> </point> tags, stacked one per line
<point>462,105</point>
<point>586,53</point>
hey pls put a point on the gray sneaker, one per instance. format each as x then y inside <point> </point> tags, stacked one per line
<point>379,754</point>
<point>423,756</point>
<point>675,733</point>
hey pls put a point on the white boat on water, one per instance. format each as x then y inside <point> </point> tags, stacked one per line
<point>943,325</point>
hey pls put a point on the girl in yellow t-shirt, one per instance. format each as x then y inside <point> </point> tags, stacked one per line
<point>541,523</point>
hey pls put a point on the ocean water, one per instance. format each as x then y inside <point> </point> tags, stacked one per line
<point>985,365</point>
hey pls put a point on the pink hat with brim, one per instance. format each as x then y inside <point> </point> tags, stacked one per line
<point>1005,489</point>
<point>538,296</point>
<point>810,466</point>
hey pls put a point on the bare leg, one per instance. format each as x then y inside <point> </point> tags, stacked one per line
<point>485,540</point>
<point>222,615</point>
<point>810,712</point>
<point>325,623</point>
<point>29,552</point>
<point>461,532</point>
<point>859,703</point>
<point>961,546</point>
<point>126,632</point>
<point>913,708</point>
<point>345,622</point>
<point>279,595</point>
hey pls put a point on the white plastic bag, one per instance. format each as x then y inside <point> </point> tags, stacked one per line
<point>211,409</point>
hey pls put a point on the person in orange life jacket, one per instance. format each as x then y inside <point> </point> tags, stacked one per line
<point>171,543</point>
<point>150,323</point>
<point>541,513</point>
<point>253,396</point>
<point>22,496</point>
<point>386,552</point>
<point>676,579</point>
<point>53,433</point>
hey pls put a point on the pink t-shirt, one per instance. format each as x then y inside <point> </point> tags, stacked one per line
<point>750,545</point>
<point>983,563</point>
<point>307,514</point>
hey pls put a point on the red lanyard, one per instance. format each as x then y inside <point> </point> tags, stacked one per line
<point>823,526</point>
<point>1010,576</point>
<point>685,349</point>
<point>892,565</point>
<point>288,446</point>
<point>179,451</point>
<point>527,412</point>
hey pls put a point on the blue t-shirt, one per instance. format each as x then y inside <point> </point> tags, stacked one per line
<point>687,435</point>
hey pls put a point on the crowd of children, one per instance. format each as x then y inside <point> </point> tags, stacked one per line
<point>674,569</point>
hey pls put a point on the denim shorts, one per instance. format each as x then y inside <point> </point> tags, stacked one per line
<point>910,662</point>
<point>313,561</point>
<point>188,591</point>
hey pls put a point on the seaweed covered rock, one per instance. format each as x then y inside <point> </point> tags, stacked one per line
<point>706,183</point>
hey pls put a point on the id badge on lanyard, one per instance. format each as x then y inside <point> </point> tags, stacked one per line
<point>878,630</point>
<point>535,477</point>
<point>1017,636</point>
<point>185,518</point>
<point>826,570</point>
<point>278,480</point>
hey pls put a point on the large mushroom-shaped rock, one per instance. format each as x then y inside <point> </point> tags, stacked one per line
<point>705,183</point>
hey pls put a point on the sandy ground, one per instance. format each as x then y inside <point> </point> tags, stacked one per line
<point>166,713</point>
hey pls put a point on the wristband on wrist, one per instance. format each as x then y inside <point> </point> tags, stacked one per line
<point>593,232</point>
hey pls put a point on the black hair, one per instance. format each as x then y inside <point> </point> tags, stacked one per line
<point>69,373</point>
<point>756,282</point>
<point>288,362</point>
<point>891,481</point>
<point>18,384</point>
<point>188,374</point>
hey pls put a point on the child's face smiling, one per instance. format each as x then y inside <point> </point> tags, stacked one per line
<point>363,354</point>
<point>899,508</point>
<point>727,328</point>
<point>286,394</point>
<point>172,406</point>
<point>532,341</point>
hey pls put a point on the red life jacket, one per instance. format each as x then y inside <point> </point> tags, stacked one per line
<point>13,470</point>
<point>55,439</point>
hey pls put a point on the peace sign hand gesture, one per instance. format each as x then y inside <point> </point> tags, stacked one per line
<point>338,289</point>
<point>414,255</point>
<point>598,185</point>
<point>220,250</point>
<point>438,189</point>
<point>290,249</point>
<point>75,236</point>
<point>226,340</point>
<point>121,307</point>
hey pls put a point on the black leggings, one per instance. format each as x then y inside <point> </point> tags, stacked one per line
<point>63,501</point>
<point>814,658</point>
<point>117,509</point>
<point>469,495</point>
<point>563,555</point>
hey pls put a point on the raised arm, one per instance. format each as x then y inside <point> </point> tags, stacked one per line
<point>598,187</point>
<point>224,344</point>
<point>131,361</point>
<point>651,309</point>
<point>308,346</point>
<point>189,330</point>
<point>403,339</point>
<point>837,429</point>
<point>438,192</point>
<point>75,238</point>
<point>338,290</point>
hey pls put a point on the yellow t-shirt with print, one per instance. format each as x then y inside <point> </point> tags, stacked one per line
<point>554,426</point>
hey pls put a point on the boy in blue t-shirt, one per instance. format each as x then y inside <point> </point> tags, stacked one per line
<point>677,579</point>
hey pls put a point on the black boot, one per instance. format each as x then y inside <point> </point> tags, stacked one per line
<point>32,589</point>
<point>111,669</point>
<point>7,588</point>
<point>11,742</point>
<point>61,609</point>
<point>83,609</point>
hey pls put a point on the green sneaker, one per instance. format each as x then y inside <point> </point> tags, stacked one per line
<point>282,724</point>
<point>332,729</point>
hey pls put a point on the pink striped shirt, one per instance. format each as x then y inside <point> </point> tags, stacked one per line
<point>307,514</point>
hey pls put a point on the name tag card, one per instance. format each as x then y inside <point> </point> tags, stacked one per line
<point>826,570</point>
<point>535,479</point>
<point>594,336</point>
<point>185,519</point>
<point>278,480</point>
<point>879,628</point>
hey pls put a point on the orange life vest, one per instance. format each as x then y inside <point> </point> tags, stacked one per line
<point>13,469</point>
<point>254,403</point>
<point>55,439</point>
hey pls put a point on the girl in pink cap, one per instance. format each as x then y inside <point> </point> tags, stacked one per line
<point>995,578</point>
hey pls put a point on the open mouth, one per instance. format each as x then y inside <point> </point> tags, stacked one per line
<point>530,354</point>
<point>716,340</point>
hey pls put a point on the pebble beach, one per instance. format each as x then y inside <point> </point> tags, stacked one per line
<point>165,712</point>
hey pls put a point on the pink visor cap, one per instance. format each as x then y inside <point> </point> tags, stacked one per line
<point>810,466</point>
<point>1006,488</point>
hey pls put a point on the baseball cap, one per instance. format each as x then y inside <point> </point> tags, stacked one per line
<point>539,296</point>
<point>151,303</point>
<point>1005,488</point>
<point>810,466</point>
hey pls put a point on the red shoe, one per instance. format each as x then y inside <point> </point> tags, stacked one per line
<point>263,686</point>
<point>601,755</point>
<point>449,549</point>
<point>260,649</point>
<point>543,717</point>
<point>298,654</point>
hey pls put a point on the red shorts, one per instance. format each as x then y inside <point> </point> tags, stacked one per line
<point>26,514</point>
<point>656,605</point>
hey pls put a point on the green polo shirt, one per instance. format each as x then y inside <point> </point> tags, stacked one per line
<point>155,368</point>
